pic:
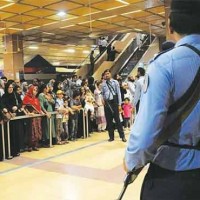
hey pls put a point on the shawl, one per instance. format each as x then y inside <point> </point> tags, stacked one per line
<point>31,99</point>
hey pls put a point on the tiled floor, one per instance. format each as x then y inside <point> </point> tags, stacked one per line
<point>88,169</point>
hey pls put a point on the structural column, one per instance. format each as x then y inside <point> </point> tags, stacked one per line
<point>13,56</point>
<point>167,12</point>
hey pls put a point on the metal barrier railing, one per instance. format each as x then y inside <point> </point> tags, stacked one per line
<point>85,130</point>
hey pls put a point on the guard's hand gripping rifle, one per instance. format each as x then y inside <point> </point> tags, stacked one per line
<point>130,178</point>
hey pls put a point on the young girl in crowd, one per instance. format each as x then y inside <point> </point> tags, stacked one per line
<point>100,113</point>
<point>127,112</point>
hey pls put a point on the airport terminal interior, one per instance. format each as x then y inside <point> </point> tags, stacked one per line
<point>49,40</point>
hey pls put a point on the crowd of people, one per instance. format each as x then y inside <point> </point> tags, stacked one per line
<point>72,99</point>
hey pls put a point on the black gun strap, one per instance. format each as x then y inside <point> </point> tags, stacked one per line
<point>180,102</point>
<point>110,87</point>
<point>184,107</point>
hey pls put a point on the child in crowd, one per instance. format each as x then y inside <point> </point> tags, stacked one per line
<point>65,119</point>
<point>89,104</point>
<point>127,112</point>
<point>75,105</point>
<point>59,106</point>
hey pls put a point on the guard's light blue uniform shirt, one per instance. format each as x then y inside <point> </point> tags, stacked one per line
<point>113,90</point>
<point>170,75</point>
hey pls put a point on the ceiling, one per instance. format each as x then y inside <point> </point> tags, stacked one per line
<point>46,33</point>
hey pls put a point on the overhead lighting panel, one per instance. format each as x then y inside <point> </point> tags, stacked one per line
<point>70,50</point>
<point>33,47</point>
<point>107,17</point>
<point>135,11</point>
<point>124,2</point>
<point>5,6</point>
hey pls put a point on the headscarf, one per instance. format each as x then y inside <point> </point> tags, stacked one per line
<point>31,99</point>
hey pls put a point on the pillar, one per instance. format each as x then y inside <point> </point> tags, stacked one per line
<point>13,56</point>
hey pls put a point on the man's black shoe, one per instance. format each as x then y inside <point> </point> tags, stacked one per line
<point>110,140</point>
<point>124,139</point>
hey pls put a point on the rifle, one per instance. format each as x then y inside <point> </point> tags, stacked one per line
<point>181,109</point>
<point>130,177</point>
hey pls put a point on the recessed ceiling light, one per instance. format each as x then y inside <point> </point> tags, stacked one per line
<point>70,50</point>
<point>61,14</point>
<point>86,51</point>
<point>33,47</point>
<point>56,63</point>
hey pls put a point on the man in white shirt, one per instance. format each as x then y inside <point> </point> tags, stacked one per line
<point>139,83</point>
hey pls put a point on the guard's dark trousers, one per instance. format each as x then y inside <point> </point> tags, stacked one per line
<point>112,112</point>
<point>162,184</point>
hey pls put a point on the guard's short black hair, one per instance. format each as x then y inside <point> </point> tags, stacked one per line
<point>141,70</point>
<point>185,16</point>
<point>107,70</point>
<point>167,45</point>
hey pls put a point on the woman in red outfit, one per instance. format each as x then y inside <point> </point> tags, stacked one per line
<point>36,130</point>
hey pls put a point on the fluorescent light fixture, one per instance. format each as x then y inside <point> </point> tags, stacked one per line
<point>47,33</point>
<point>33,47</point>
<point>135,11</point>
<point>125,30</point>
<point>122,1</point>
<point>32,28</point>
<point>66,70</point>
<point>61,13</point>
<point>17,29</point>
<point>56,63</point>
<point>86,22</point>
<point>70,50</point>
<point>137,29</point>
<point>5,6</point>
<point>92,13</point>
<point>107,17</point>
<point>86,51</point>
<point>49,23</point>
<point>115,7</point>
<point>68,19</point>
<point>67,26</point>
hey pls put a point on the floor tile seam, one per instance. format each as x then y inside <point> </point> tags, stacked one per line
<point>49,158</point>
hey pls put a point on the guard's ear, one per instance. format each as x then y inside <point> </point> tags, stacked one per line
<point>171,30</point>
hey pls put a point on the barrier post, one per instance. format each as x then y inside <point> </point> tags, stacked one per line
<point>50,132</point>
<point>84,124</point>
<point>3,142</point>
<point>8,135</point>
<point>87,131</point>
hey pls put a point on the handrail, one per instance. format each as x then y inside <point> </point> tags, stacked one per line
<point>85,129</point>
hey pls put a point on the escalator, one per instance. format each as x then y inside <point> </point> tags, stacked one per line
<point>84,67</point>
<point>125,47</point>
<point>128,65</point>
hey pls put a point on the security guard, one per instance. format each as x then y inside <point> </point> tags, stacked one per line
<point>112,98</point>
<point>174,172</point>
